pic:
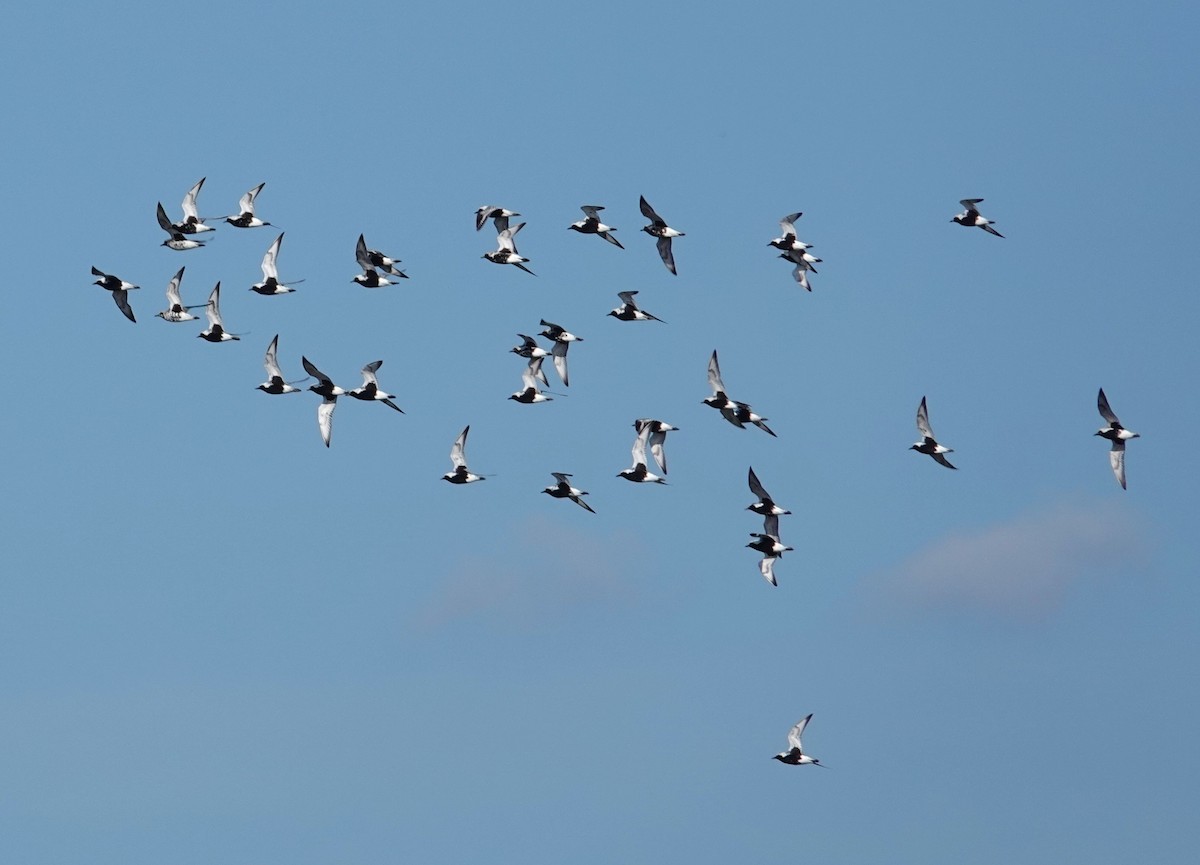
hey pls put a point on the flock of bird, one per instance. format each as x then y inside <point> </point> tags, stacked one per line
<point>380,270</point>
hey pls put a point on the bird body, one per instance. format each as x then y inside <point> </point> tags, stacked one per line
<point>794,755</point>
<point>175,310</point>
<point>591,224</point>
<point>275,383</point>
<point>506,250</point>
<point>245,217</point>
<point>216,329</point>
<point>972,218</point>
<point>1116,434</point>
<point>119,288</point>
<point>564,490</point>
<point>928,444</point>
<point>458,458</point>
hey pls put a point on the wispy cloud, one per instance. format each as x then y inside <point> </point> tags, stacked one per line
<point>545,570</point>
<point>1022,568</point>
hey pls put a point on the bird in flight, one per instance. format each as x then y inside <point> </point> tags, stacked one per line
<point>1116,434</point>
<point>928,444</point>
<point>795,755</point>
<point>972,218</point>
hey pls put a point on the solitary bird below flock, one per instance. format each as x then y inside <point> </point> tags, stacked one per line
<point>928,444</point>
<point>972,218</point>
<point>795,755</point>
<point>1116,434</point>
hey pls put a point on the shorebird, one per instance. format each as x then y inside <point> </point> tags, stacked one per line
<point>656,437</point>
<point>737,413</point>
<point>768,542</point>
<point>629,310</point>
<point>120,290</point>
<point>562,339</point>
<point>529,392</point>
<point>175,310</point>
<point>496,213</point>
<point>458,458</point>
<point>192,222</point>
<point>370,387</point>
<point>795,755</point>
<point>176,239</point>
<point>329,392</point>
<point>275,383</point>
<point>373,259</point>
<point>245,217</point>
<point>271,283</point>
<point>506,250</point>
<point>658,228</point>
<point>927,444</point>
<point>1115,433</point>
<point>563,490</point>
<point>216,330</point>
<point>638,473</point>
<point>592,224</point>
<point>531,350</point>
<point>765,504</point>
<point>788,242</point>
<point>801,270</point>
<point>971,217</point>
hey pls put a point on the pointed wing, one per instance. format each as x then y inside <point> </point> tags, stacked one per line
<point>1116,458</point>
<point>268,262</point>
<point>787,225</point>
<point>213,310</point>
<point>559,351</point>
<point>767,567</point>
<point>458,451</point>
<point>639,446</point>
<point>189,202</point>
<point>923,420</point>
<point>360,254</point>
<point>246,203</point>
<point>312,370</point>
<point>627,298</point>
<point>648,211</point>
<point>368,373</point>
<point>121,299</point>
<point>561,477</point>
<point>756,487</point>
<point>665,253</point>
<point>941,458</point>
<point>1106,411</point>
<point>592,211</point>
<point>771,525</point>
<point>482,214</point>
<point>969,203</point>
<point>532,373</point>
<point>270,361</point>
<point>796,732</point>
<point>325,418</point>
<point>656,440</point>
<point>505,239</point>
<point>714,375</point>
<point>173,297</point>
<point>163,222</point>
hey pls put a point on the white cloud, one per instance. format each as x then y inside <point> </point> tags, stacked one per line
<point>1023,568</point>
<point>547,569</point>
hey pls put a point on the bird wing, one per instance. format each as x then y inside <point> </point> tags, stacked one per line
<point>164,222</point>
<point>648,211</point>
<point>756,487</point>
<point>268,263</point>
<point>505,239</point>
<point>767,567</point>
<point>591,211</point>
<point>639,446</point>
<point>627,298</point>
<point>714,375</point>
<point>121,299</point>
<point>923,420</point>
<point>666,254</point>
<point>246,203</point>
<point>559,352</point>
<point>787,224</point>
<point>173,297</point>
<point>561,477</point>
<point>213,309</point>
<point>532,373</point>
<point>312,370</point>
<point>189,201</point>
<point>368,373</point>
<point>360,254</point>
<point>1116,458</point>
<point>941,458</point>
<point>458,455</point>
<point>657,439</point>
<point>969,203</point>
<point>1106,411</point>
<point>797,731</point>
<point>325,418</point>
<point>771,525</point>
<point>270,361</point>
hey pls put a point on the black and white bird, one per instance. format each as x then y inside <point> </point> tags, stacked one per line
<point>275,383</point>
<point>656,438</point>
<point>270,270</point>
<point>458,458</point>
<point>370,387</point>
<point>216,330</point>
<point>372,278</point>
<point>788,242</point>
<point>120,290</point>
<point>768,542</point>
<point>972,218</point>
<point>175,239</point>
<point>530,349</point>
<point>794,755</point>
<point>175,310</point>
<point>245,217</point>
<point>192,222</point>
<point>495,212</point>
<point>629,310</point>
<point>564,490</point>
<point>530,393</point>
<point>506,249</point>
<point>328,392</point>
<point>592,224</point>
<point>638,472</point>
<point>373,259</point>
<point>927,444</point>
<point>737,413</point>
<point>562,339</point>
<point>767,568</point>
<point>1116,434</point>
<point>801,268</point>
<point>659,229</point>
<point>765,505</point>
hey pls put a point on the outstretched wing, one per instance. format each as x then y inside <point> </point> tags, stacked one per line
<point>797,731</point>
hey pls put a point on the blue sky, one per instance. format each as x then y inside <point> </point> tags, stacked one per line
<point>223,642</point>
